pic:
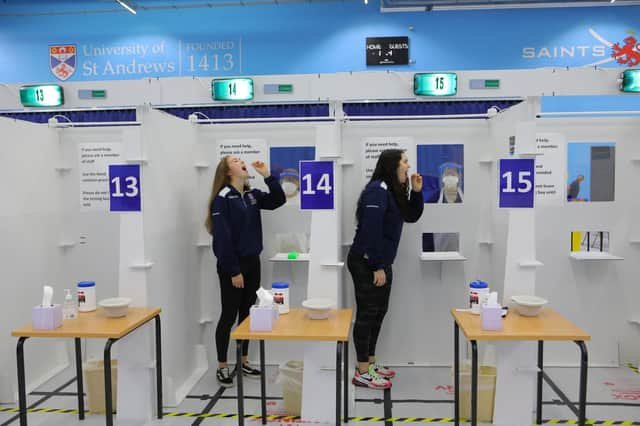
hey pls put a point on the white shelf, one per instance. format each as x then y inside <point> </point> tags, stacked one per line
<point>634,241</point>
<point>530,154</point>
<point>486,242</point>
<point>66,244</point>
<point>201,165</point>
<point>347,244</point>
<point>530,263</point>
<point>137,160</point>
<point>330,156</point>
<point>62,169</point>
<point>594,255</point>
<point>146,265</point>
<point>487,161</point>
<point>442,256</point>
<point>203,244</point>
<point>347,163</point>
<point>333,264</point>
<point>284,257</point>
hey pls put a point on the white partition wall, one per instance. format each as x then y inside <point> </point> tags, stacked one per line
<point>600,296</point>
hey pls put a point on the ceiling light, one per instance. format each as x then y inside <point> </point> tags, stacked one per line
<point>126,6</point>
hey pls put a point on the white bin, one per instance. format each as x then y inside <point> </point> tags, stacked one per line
<point>291,379</point>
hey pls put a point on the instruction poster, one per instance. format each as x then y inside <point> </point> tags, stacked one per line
<point>248,150</point>
<point>93,171</point>
<point>372,147</point>
<point>550,169</point>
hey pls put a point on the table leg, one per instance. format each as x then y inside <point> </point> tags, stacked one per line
<point>345,399</point>
<point>108,396</point>
<point>263,385</point>
<point>539,384</point>
<point>584,358</point>
<point>338,377</point>
<point>22,387</point>
<point>239,380</point>
<point>158,366</point>
<point>474,383</point>
<point>456,374</point>
<point>79,381</point>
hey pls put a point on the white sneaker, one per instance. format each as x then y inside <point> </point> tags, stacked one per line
<point>370,379</point>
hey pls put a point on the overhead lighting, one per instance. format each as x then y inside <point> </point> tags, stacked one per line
<point>126,6</point>
<point>613,1</point>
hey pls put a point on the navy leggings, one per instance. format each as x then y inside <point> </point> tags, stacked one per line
<point>371,305</point>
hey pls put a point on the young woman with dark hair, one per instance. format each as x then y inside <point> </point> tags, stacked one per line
<point>235,224</point>
<point>384,205</point>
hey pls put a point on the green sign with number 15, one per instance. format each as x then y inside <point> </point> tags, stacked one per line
<point>435,84</point>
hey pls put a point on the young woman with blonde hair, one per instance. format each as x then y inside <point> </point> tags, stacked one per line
<point>235,224</point>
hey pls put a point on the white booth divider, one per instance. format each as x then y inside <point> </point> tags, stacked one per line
<point>49,239</point>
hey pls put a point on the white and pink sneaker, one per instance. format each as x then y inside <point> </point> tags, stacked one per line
<point>370,379</point>
<point>383,371</point>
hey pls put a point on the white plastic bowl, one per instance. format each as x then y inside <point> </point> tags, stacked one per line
<point>116,306</point>
<point>318,308</point>
<point>529,306</point>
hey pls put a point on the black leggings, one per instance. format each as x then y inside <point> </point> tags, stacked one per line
<point>371,302</point>
<point>236,302</point>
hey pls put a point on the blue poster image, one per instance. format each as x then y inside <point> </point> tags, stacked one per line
<point>442,170</point>
<point>591,171</point>
<point>284,165</point>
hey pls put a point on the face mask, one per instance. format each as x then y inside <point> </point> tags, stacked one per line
<point>450,182</point>
<point>289,188</point>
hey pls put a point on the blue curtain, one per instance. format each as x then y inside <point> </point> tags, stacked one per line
<point>424,108</point>
<point>253,111</point>
<point>93,116</point>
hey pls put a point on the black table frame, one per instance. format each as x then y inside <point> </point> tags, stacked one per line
<point>341,355</point>
<point>22,393</point>
<point>580,411</point>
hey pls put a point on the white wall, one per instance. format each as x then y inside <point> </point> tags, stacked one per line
<point>599,296</point>
<point>40,210</point>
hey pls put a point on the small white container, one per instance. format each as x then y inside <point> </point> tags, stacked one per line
<point>281,296</point>
<point>86,296</point>
<point>478,294</point>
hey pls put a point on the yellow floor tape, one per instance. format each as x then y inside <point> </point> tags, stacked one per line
<point>351,419</point>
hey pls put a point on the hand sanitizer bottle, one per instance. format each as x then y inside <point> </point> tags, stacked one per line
<point>69,309</point>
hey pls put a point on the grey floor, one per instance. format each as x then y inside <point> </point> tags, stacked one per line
<point>614,394</point>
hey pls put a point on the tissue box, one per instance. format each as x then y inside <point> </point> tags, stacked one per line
<point>46,317</point>
<point>261,318</point>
